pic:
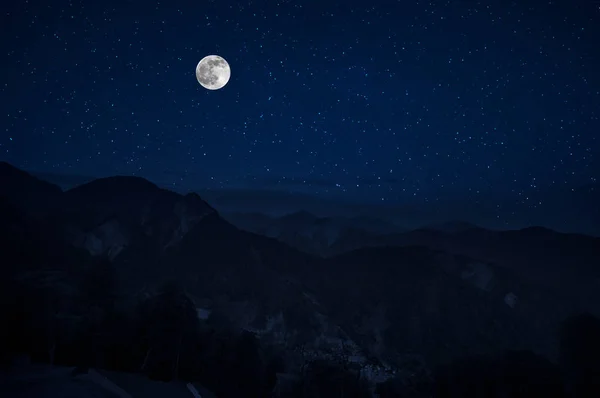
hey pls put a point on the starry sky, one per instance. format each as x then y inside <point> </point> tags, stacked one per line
<point>376,100</point>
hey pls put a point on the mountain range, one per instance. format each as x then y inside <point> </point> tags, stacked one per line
<point>386,298</point>
<point>560,208</point>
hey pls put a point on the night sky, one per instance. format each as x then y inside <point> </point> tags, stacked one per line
<point>370,100</point>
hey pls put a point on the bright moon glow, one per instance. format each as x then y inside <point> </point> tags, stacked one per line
<point>213,72</point>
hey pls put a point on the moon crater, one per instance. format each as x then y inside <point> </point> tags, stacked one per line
<point>213,72</point>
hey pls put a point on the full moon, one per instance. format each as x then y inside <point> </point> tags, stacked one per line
<point>213,72</point>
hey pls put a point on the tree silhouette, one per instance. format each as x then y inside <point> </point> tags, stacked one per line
<point>512,374</point>
<point>98,297</point>
<point>168,330</point>
<point>580,355</point>
<point>323,379</point>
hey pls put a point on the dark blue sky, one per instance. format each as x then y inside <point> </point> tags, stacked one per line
<point>370,100</point>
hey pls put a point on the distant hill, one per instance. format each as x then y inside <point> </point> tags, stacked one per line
<point>559,208</point>
<point>312,234</point>
<point>451,226</point>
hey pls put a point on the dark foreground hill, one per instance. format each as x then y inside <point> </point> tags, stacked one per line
<point>122,275</point>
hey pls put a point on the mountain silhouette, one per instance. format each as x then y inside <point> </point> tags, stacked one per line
<point>382,305</point>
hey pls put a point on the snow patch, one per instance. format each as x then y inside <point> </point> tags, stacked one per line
<point>511,299</point>
<point>479,274</point>
<point>193,390</point>
<point>108,239</point>
<point>203,313</point>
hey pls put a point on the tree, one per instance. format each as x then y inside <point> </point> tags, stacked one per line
<point>168,328</point>
<point>580,355</point>
<point>328,379</point>
<point>512,374</point>
<point>99,294</point>
<point>43,314</point>
<point>249,367</point>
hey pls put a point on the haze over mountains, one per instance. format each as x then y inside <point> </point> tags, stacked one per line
<point>561,209</point>
<point>389,303</point>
